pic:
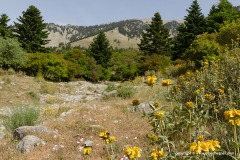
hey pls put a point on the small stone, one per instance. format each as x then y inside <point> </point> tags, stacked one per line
<point>88,143</point>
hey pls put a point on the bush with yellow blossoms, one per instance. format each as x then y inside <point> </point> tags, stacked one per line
<point>132,152</point>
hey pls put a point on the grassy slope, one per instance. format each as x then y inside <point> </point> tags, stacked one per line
<point>87,121</point>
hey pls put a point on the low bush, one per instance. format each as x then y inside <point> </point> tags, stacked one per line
<point>125,92</point>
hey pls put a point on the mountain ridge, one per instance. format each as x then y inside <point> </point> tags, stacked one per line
<point>122,34</point>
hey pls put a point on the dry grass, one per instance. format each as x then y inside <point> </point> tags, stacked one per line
<point>87,122</point>
<point>84,123</point>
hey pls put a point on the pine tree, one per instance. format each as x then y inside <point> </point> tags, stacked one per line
<point>5,30</point>
<point>100,49</point>
<point>224,11</point>
<point>156,38</point>
<point>31,31</point>
<point>194,24</point>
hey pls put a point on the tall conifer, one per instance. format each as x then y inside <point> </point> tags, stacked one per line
<point>224,11</point>
<point>194,24</point>
<point>155,40</point>
<point>5,30</point>
<point>31,31</point>
<point>100,49</point>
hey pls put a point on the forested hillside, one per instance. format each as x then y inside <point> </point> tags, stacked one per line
<point>131,29</point>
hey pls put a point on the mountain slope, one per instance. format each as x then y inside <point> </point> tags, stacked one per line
<point>122,34</point>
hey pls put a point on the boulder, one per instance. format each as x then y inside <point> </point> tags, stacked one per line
<point>28,143</point>
<point>143,108</point>
<point>20,132</point>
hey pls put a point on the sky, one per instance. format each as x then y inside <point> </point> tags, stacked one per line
<point>95,12</point>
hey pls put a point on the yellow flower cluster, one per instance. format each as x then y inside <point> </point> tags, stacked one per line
<point>166,82</point>
<point>133,152</point>
<point>156,104</point>
<point>204,146</point>
<point>151,80</point>
<point>106,137</point>
<point>233,116</point>
<point>159,114</point>
<point>156,154</point>
<point>87,150</point>
<point>153,137</point>
<point>208,96</point>
<point>190,105</point>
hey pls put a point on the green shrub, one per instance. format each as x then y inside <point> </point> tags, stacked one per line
<point>110,87</point>
<point>52,66</point>
<point>21,116</point>
<point>11,54</point>
<point>155,63</point>
<point>125,92</point>
<point>124,65</point>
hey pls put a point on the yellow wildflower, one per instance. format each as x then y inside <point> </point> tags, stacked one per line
<point>166,82</point>
<point>189,105</point>
<point>204,146</point>
<point>156,104</point>
<point>200,138</point>
<point>197,92</point>
<point>214,103</point>
<point>104,134</point>
<point>195,147</point>
<point>159,114</point>
<point>110,139</point>
<point>87,150</point>
<point>220,91</point>
<point>151,80</point>
<point>106,137</point>
<point>208,96</point>
<point>156,154</point>
<point>133,152</point>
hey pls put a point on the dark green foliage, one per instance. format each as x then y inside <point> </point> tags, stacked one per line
<point>156,38</point>
<point>85,66</point>
<point>5,30</point>
<point>100,49</point>
<point>11,54</point>
<point>31,31</point>
<point>52,66</point>
<point>194,24</point>
<point>224,11</point>
<point>203,48</point>
<point>155,63</point>
<point>124,65</point>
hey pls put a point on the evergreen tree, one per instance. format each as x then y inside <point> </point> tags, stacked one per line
<point>100,49</point>
<point>31,31</point>
<point>156,38</point>
<point>194,24</point>
<point>5,30</point>
<point>224,11</point>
